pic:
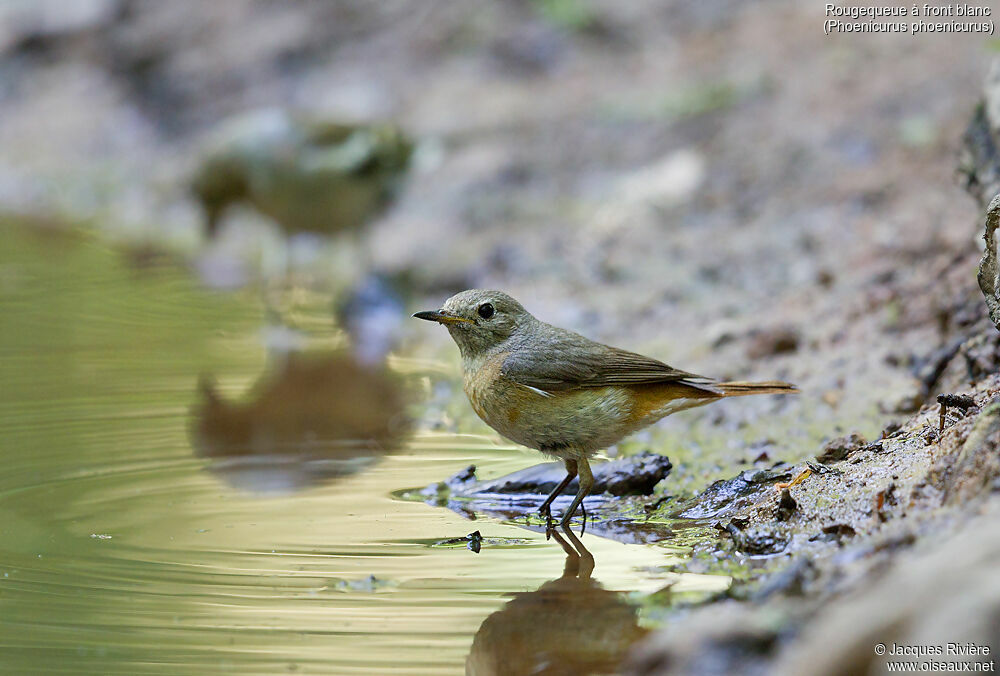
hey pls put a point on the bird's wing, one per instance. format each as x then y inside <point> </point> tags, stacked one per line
<point>563,360</point>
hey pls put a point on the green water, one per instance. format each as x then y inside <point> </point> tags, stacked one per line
<point>121,552</point>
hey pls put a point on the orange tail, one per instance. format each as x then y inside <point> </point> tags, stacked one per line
<point>741,388</point>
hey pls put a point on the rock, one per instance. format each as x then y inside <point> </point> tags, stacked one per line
<point>840,448</point>
<point>519,494</point>
<point>667,182</point>
<point>461,478</point>
<point>634,475</point>
<point>725,495</point>
<point>757,540</point>
<point>475,542</point>
<point>769,342</point>
<point>834,533</point>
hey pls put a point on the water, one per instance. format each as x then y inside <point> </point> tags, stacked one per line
<point>125,547</point>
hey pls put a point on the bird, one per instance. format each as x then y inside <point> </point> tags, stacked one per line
<point>307,173</point>
<point>557,392</point>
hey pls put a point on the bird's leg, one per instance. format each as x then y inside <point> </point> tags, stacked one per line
<point>572,566</point>
<point>545,508</point>
<point>586,483</point>
<point>585,560</point>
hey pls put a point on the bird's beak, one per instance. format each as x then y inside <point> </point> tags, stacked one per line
<point>442,317</point>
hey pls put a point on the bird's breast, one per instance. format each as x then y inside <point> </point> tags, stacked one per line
<point>564,423</point>
<point>491,395</point>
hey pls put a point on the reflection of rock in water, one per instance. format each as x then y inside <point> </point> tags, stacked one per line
<point>314,418</point>
<point>308,174</point>
<point>567,626</point>
<point>518,494</point>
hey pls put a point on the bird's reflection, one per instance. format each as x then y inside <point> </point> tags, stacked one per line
<point>570,625</point>
<point>311,418</point>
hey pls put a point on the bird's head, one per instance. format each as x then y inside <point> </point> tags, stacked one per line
<point>479,320</point>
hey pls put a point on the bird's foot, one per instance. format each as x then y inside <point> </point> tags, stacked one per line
<point>545,511</point>
<point>564,522</point>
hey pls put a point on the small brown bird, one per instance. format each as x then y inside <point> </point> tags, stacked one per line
<point>560,393</point>
<point>307,173</point>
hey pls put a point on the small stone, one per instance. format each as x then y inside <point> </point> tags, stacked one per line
<point>840,448</point>
<point>773,341</point>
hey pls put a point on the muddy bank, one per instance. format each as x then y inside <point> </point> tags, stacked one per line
<point>887,541</point>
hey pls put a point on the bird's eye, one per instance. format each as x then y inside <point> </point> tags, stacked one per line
<point>486,310</point>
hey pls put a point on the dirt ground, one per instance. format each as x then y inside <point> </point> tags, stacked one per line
<point>718,185</point>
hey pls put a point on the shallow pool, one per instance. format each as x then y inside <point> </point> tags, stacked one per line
<point>123,549</point>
